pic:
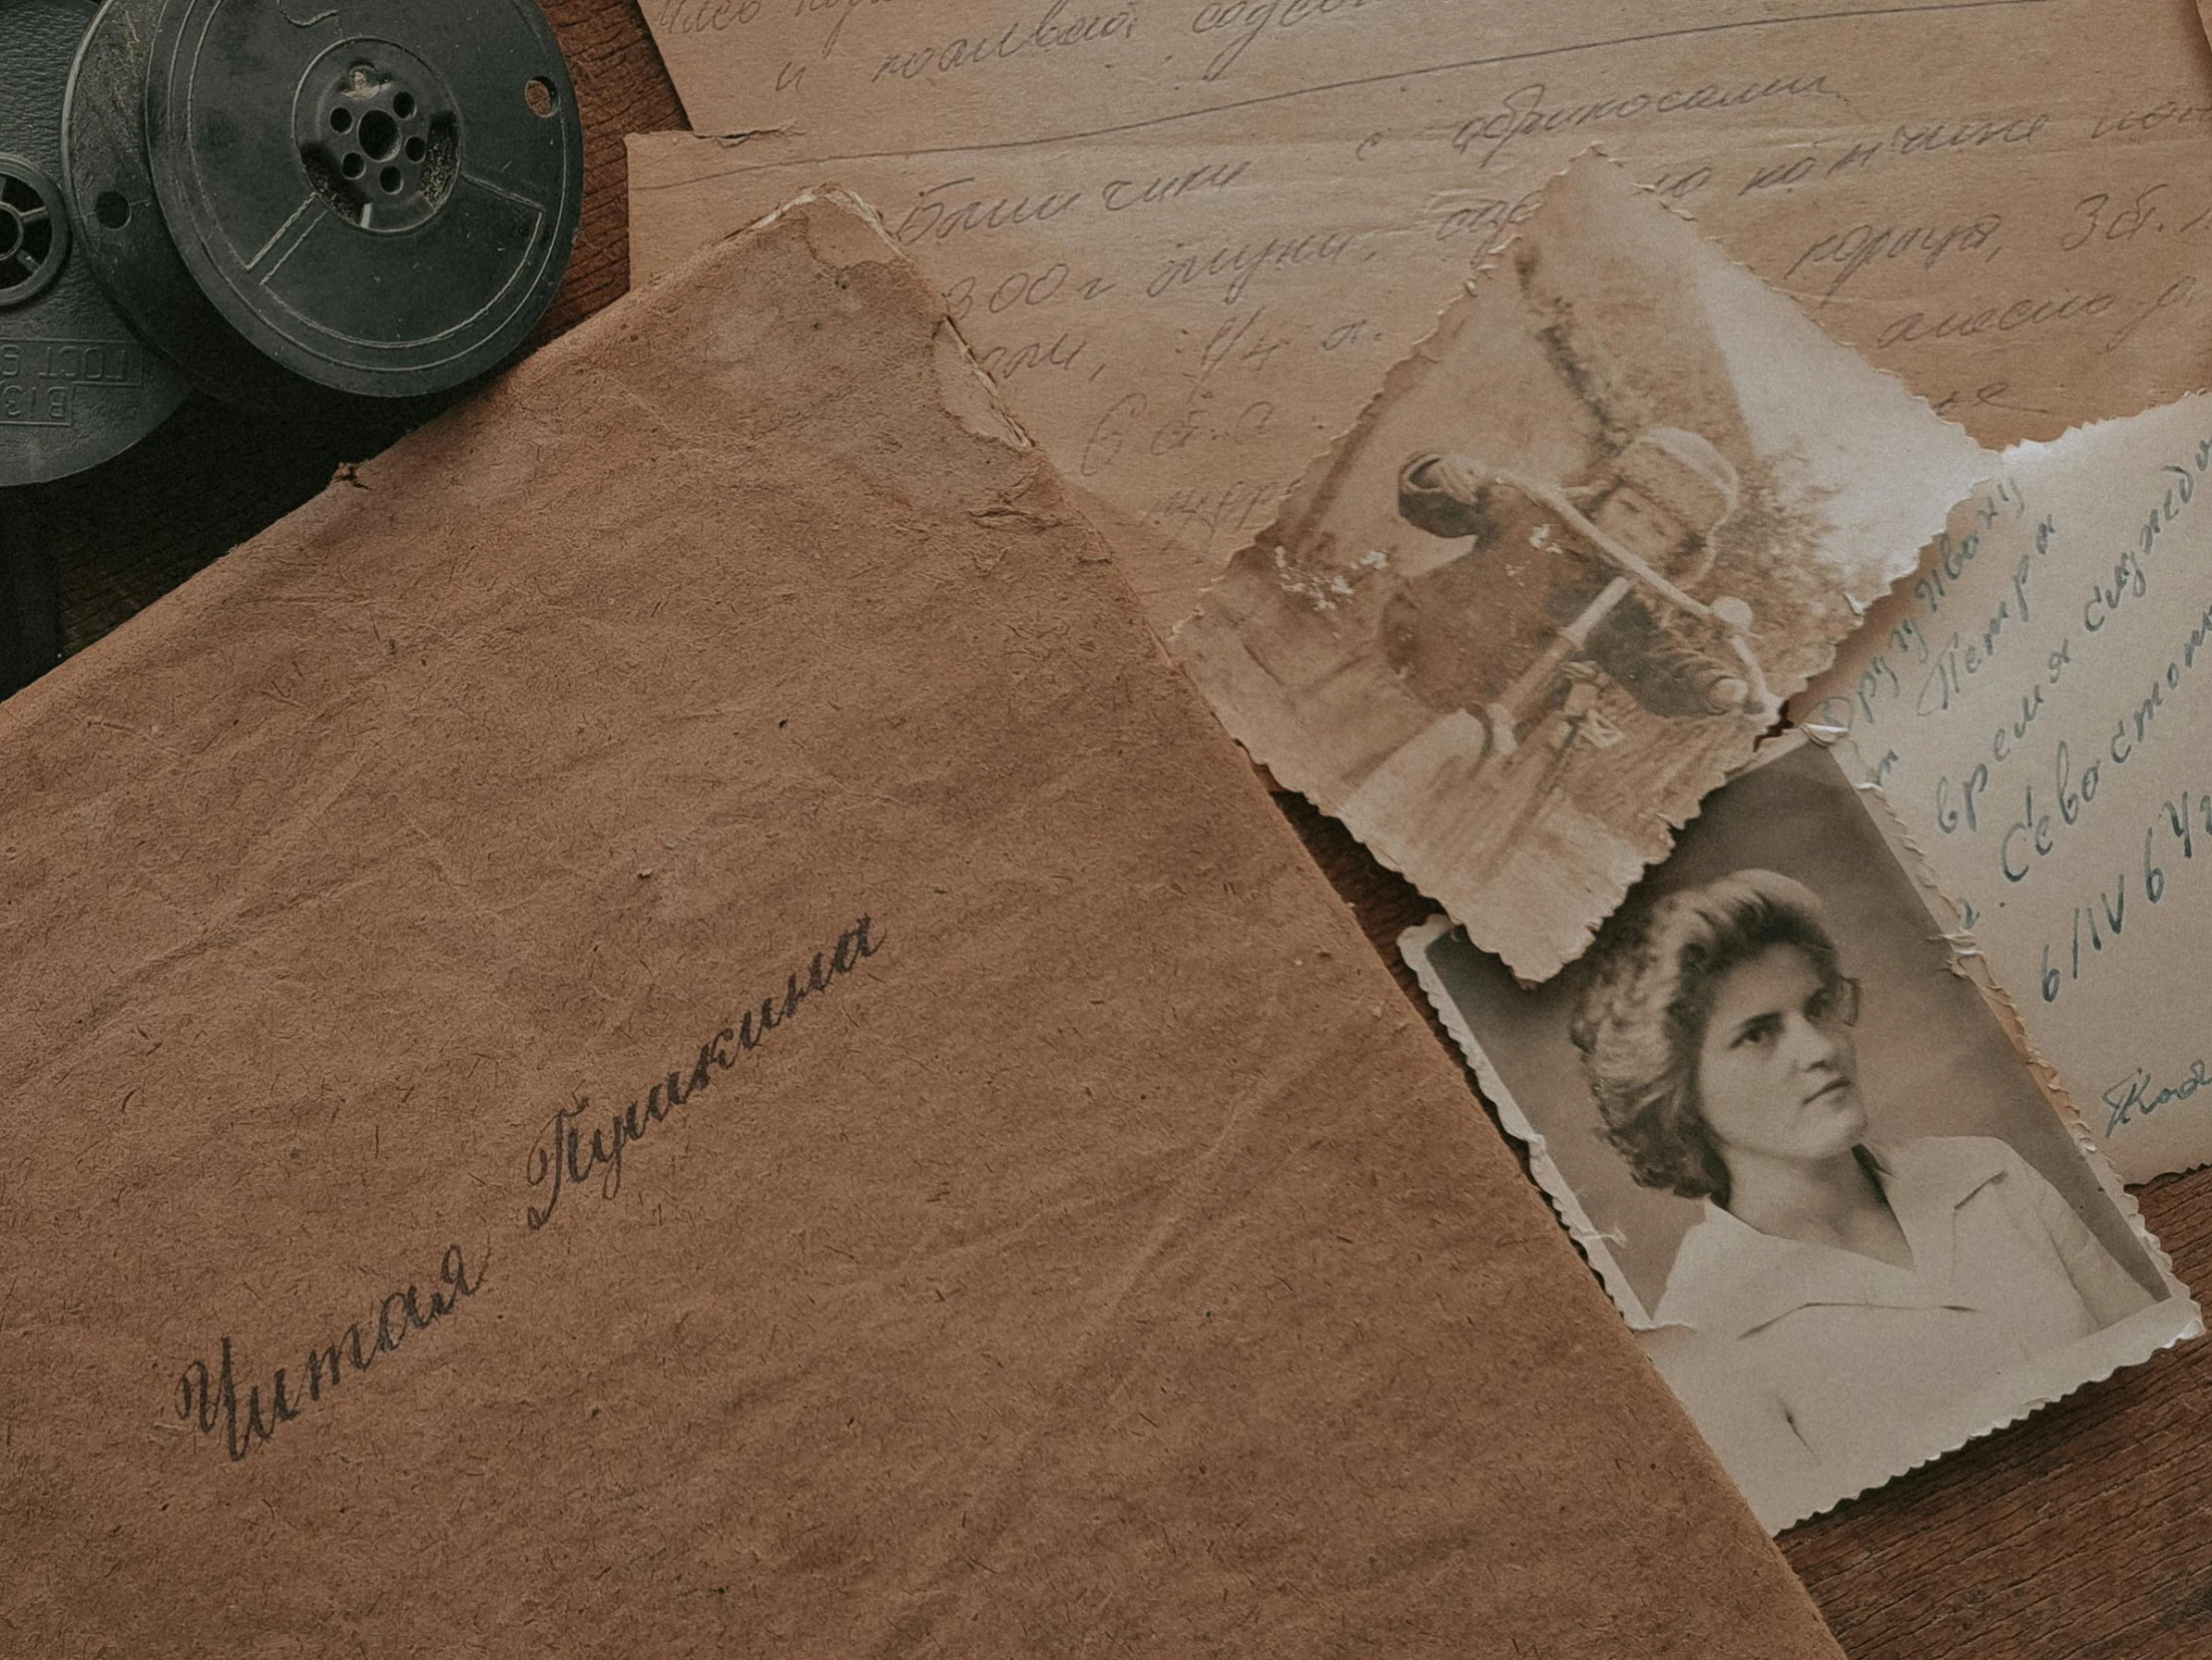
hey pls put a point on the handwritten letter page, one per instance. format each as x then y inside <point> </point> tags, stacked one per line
<point>1189,239</point>
<point>2035,706</point>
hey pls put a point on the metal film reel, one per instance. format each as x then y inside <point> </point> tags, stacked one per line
<point>76,386</point>
<point>287,205</point>
<point>121,233</point>
<point>380,197</point>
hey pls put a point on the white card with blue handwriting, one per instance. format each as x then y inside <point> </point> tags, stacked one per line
<point>2035,707</point>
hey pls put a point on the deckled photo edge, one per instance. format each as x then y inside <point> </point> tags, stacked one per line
<point>1415,945</point>
<point>1281,747</point>
<point>2014,1394</point>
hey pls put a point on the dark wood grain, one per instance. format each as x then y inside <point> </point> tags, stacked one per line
<point>2085,1532</point>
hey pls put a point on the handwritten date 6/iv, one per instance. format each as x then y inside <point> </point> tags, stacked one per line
<point>1130,425</point>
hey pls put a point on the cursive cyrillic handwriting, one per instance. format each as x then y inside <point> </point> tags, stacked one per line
<point>563,1157</point>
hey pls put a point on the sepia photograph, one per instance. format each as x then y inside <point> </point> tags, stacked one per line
<point>1556,582</point>
<point>1804,1154</point>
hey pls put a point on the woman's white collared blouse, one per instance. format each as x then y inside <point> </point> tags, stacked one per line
<point>1816,1369</point>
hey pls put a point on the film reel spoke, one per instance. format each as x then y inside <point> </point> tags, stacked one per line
<point>34,237</point>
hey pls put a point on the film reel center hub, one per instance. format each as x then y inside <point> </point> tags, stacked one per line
<point>378,135</point>
<point>34,230</point>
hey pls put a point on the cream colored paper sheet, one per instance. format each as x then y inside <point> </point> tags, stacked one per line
<point>1189,240</point>
<point>2035,707</point>
<point>1548,592</point>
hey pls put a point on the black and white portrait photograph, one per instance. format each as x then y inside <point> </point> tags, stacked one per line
<point>1804,1152</point>
<point>1553,587</point>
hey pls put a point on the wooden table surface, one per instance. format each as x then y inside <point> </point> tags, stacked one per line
<point>2080,1533</point>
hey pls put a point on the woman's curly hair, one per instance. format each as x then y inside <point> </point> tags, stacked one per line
<point>1641,1020</point>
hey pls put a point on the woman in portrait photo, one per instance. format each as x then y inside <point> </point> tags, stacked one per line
<point>1839,1293</point>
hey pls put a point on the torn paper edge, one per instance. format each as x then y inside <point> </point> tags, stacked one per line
<point>545,367</point>
<point>1559,949</point>
<point>853,233</point>
<point>2010,1398</point>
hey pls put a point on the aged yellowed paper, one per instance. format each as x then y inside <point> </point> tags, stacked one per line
<point>2035,705</point>
<point>1553,586</point>
<point>657,1029</point>
<point>1806,1156</point>
<point>1189,240</point>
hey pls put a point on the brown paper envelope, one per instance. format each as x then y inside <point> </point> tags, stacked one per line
<point>671,966</point>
